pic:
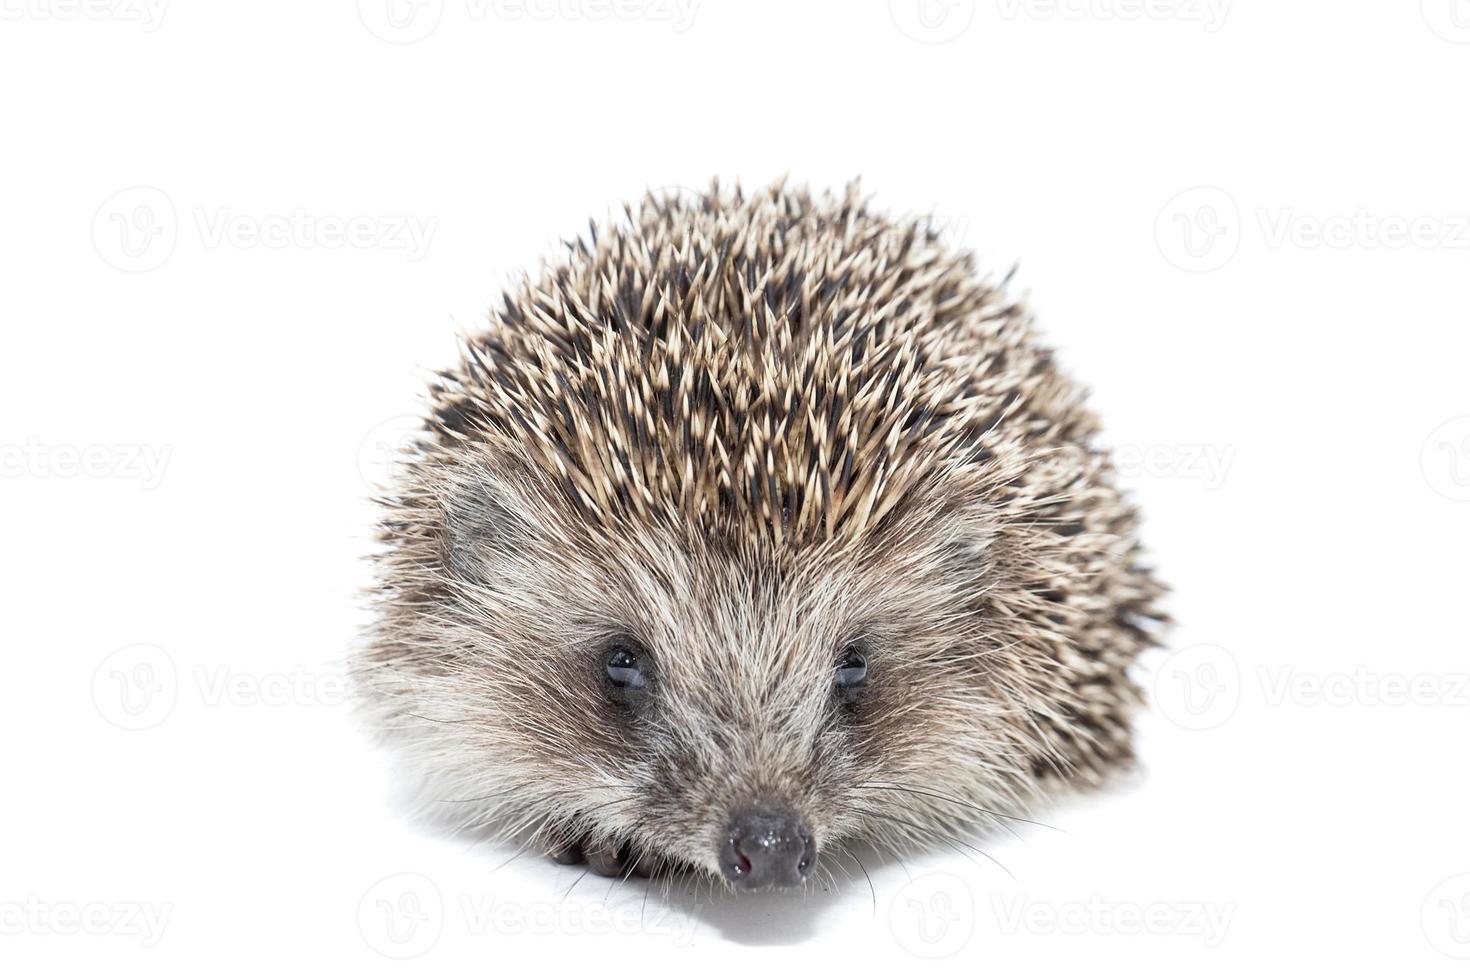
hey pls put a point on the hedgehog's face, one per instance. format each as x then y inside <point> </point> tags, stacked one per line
<point>656,696</point>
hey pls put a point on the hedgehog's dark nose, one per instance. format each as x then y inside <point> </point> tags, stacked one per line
<point>766,849</point>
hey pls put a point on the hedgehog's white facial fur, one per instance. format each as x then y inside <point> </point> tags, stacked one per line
<point>745,444</point>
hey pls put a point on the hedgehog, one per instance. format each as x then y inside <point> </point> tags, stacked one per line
<point>755,528</point>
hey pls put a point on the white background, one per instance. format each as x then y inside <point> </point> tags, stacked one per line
<point>1243,225</point>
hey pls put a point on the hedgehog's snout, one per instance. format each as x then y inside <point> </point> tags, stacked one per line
<point>764,848</point>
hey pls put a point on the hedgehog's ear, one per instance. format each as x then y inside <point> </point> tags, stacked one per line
<point>945,526</point>
<point>966,538</point>
<point>484,526</point>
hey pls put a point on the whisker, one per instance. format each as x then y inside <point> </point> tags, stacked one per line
<point>482,799</point>
<point>632,866</point>
<point>951,840</point>
<point>925,791</point>
<point>871,890</point>
<point>647,885</point>
<point>585,872</point>
<point>522,850</point>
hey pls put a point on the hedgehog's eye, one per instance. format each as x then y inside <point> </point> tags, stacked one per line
<point>625,666</point>
<point>852,668</point>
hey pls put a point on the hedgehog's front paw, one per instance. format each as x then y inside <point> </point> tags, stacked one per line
<point>566,852</point>
<point>608,858</point>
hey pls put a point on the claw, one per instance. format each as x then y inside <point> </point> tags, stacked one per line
<point>604,859</point>
<point>567,852</point>
<point>609,859</point>
<point>645,866</point>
